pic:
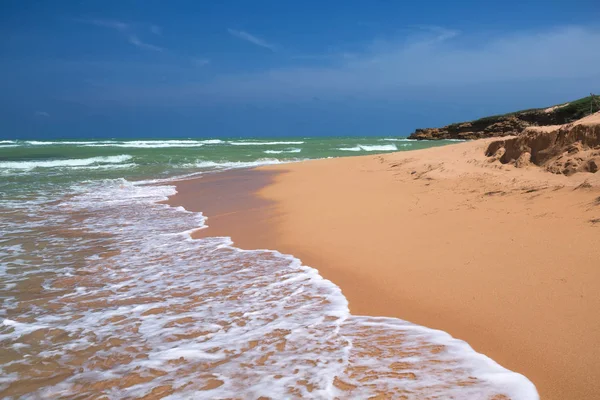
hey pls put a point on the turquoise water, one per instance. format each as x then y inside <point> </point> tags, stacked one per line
<point>29,166</point>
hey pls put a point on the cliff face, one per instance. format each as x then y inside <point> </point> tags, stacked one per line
<point>510,124</point>
<point>504,126</point>
<point>566,149</point>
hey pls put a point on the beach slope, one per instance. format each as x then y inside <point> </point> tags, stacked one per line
<point>505,258</point>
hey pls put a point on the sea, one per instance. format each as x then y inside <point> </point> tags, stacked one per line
<point>105,295</point>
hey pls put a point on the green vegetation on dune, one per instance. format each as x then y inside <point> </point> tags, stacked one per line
<point>567,112</point>
<point>514,122</point>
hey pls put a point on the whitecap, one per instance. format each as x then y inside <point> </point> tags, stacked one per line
<point>151,144</point>
<point>212,141</point>
<point>60,142</point>
<point>255,143</point>
<point>282,151</point>
<point>239,164</point>
<point>77,162</point>
<point>361,147</point>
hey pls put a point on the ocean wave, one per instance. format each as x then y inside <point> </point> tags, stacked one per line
<point>77,162</point>
<point>398,140</point>
<point>6,141</point>
<point>211,141</point>
<point>282,151</point>
<point>361,147</point>
<point>151,144</point>
<point>60,142</point>
<point>262,143</point>
<point>106,166</point>
<point>146,144</point>
<point>239,164</point>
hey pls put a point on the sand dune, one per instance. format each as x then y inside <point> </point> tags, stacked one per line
<point>561,149</point>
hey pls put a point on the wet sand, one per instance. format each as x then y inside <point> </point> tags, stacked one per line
<point>507,259</point>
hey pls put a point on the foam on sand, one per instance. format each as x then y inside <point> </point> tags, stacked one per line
<point>148,307</point>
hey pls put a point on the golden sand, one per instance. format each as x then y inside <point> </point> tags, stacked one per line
<point>507,259</point>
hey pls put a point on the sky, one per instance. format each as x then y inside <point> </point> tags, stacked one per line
<point>93,69</point>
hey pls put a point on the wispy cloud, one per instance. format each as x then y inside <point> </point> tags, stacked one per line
<point>127,30</point>
<point>134,40</point>
<point>42,114</point>
<point>157,30</point>
<point>106,23</point>
<point>252,39</point>
<point>439,33</point>
<point>429,61</point>
<point>200,62</point>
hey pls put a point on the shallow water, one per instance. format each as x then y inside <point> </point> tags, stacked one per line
<point>104,293</point>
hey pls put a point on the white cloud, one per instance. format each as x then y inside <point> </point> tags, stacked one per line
<point>42,114</point>
<point>127,30</point>
<point>439,33</point>
<point>252,39</point>
<point>433,57</point>
<point>429,61</point>
<point>106,23</point>
<point>200,62</point>
<point>134,40</point>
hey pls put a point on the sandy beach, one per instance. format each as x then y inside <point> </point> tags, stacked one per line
<point>505,258</point>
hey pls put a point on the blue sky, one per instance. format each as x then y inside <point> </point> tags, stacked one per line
<point>285,68</point>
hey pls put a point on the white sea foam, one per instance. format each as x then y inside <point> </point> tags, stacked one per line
<point>212,141</point>
<point>255,143</point>
<point>398,140</point>
<point>52,143</point>
<point>145,144</point>
<point>152,144</point>
<point>106,166</point>
<point>361,147</point>
<point>223,165</point>
<point>129,294</point>
<point>77,162</point>
<point>282,151</point>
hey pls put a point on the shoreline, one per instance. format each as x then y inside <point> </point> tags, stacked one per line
<point>439,237</point>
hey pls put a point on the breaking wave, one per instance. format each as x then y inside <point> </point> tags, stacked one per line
<point>282,151</point>
<point>78,162</point>
<point>256,143</point>
<point>361,147</point>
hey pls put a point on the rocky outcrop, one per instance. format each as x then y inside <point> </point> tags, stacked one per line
<point>504,126</point>
<point>510,124</point>
<point>565,150</point>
